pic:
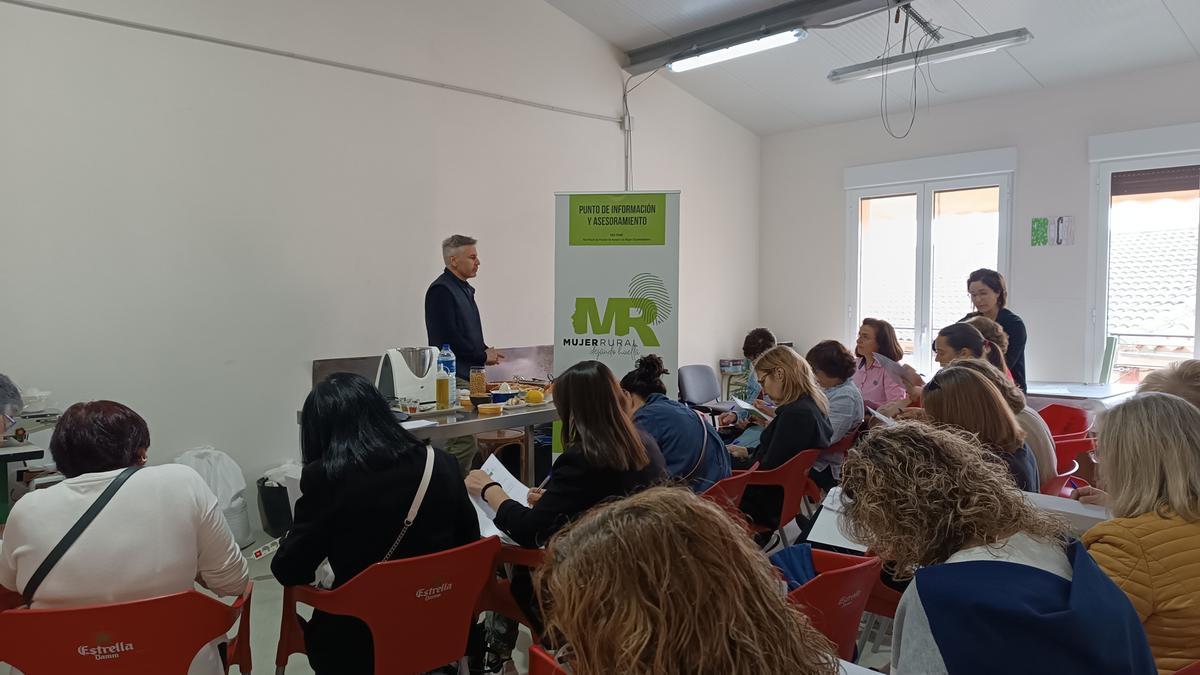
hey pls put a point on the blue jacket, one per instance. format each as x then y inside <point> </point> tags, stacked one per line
<point>680,434</point>
<point>984,617</point>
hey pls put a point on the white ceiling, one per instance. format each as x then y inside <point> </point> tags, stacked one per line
<point>786,88</point>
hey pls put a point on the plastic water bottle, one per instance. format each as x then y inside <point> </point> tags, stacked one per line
<point>446,360</point>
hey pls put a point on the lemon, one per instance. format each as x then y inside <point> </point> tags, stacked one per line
<point>535,396</point>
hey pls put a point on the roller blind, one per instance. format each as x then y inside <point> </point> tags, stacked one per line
<point>1150,181</point>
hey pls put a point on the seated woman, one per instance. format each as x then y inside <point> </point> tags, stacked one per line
<point>748,427</point>
<point>964,341</point>
<point>160,533</point>
<point>606,456</point>
<point>1149,462</point>
<point>642,586</point>
<point>801,423</point>
<point>997,588</point>
<point>994,333</point>
<point>1181,378</point>
<point>833,367</point>
<point>361,474</point>
<point>963,398</point>
<point>878,388</point>
<point>1037,434</point>
<point>691,447</point>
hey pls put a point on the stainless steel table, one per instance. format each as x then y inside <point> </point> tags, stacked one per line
<point>11,451</point>
<point>459,423</point>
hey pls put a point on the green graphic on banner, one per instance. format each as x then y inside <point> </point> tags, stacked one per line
<point>618,220</point>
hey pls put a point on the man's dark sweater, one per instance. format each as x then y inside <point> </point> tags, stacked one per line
<point>452,318</point>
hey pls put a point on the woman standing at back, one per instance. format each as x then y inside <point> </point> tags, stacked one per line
<point>989,294</point>
<point>361,474</point>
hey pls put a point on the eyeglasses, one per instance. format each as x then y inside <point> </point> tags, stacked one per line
<point>8,422</point>
<point>762,374</point>
<point>980,294</point>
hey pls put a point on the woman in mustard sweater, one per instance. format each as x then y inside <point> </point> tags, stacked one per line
<point>1149,459</point>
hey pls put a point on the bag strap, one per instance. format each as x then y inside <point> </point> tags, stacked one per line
<point>703,447</point>
<point>416,502</point>
<point>73,534</point>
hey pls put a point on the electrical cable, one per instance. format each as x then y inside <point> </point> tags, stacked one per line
<point>302,57</point>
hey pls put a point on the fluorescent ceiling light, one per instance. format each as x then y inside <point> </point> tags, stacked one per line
<point>939,54</point>
<point>754,46</point>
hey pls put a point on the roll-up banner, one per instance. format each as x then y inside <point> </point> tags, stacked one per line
<point>616,280</point>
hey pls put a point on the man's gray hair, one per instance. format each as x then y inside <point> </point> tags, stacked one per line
<point>455,242</point>
<point>10,398</point>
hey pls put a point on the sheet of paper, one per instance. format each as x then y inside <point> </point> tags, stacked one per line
<point>887,421</point>
<point>749,407</point>
<point>511,486</point>
<point>1081,516</point>
<point>892,368</point>
<point>827,529</point>
<point>417,424</point>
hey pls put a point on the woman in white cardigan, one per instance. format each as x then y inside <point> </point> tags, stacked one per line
<point>160,533</point>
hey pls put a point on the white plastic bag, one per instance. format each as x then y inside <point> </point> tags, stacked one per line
<point>225,479</point>
<point>223,475</point>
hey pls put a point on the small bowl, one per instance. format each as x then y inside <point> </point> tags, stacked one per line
<point>487,409</point>
<point>503,396</point>
<point>478,400</point>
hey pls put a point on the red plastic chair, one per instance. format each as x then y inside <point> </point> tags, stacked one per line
<point>1193,669</point>
<point>843,446</point>
<point>728,492</point>
<point>1066,452</point>
<point>541,663</point>
<point>1061,486</point>
<point>419,609</point>
<point>881,605</point>
<point>793,477</point>
<point>1064,420</point>
<point>156,635</point>
<point>497,593</point>
<point>836,598</point>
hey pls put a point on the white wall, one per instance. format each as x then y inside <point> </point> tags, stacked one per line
<point>187,226</point>
<point>803,238</point>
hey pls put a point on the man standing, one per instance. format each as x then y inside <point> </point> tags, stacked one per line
<point>452,318</point>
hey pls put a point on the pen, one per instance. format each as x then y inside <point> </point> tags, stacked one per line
<point>543,483</point>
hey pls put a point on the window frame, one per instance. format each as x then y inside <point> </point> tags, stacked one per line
<point>924,190</point>
<point>1097,317</point>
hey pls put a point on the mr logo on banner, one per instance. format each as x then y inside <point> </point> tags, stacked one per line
<point>650,305</point>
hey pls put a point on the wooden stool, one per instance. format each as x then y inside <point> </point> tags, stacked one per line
<point>492,442</point>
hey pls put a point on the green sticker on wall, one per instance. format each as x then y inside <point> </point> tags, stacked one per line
<point>1040,233</point>
<point>618,220</point>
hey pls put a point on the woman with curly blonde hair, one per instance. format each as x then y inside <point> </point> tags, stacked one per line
<point>991,572</point>
<point>666,582</point>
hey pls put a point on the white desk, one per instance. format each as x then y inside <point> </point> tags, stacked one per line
<point>826,530</point>
<point>1095,398</point>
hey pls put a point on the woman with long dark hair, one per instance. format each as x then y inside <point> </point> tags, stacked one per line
<point>361,474</point>
<point>691,447</point>
<point>605,456</point>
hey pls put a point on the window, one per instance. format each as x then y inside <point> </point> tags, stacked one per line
<point>912,248</point>
<point>1150,220</point>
